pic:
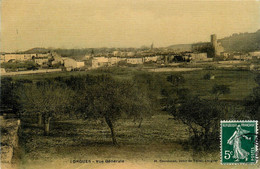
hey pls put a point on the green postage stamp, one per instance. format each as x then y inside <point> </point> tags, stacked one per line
<point>239,142</point>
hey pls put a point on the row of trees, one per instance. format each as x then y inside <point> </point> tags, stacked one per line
<point>18,65</point>
<point>89,97</point>
<point>102,96</point>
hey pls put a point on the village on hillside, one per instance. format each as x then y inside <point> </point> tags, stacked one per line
<point>51,61</point>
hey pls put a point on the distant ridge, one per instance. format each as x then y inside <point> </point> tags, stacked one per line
<point>181,47</point>
<point>36,50</point>
<point>237,42</point>
<point>242,42</point>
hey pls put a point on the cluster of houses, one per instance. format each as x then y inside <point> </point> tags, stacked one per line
<point>164,57</point>
<point>240,56</point>
<point>159,57</point>
<point>95,61</point>
<point>12,57</point>
<point>43,60</point>
<point>112,61</point>
<point>131,57</point>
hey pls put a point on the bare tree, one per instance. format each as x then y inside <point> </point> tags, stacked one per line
<point>45,99</point>
<point>201,116</point>
<point>110,99</point>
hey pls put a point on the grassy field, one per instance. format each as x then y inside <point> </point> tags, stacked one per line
<point>89,139</point>
<point>241,82</point>
<point>159,138</point>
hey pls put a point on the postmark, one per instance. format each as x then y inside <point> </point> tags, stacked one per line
<point>238,142</point>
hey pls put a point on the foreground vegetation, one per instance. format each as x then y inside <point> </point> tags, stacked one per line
<point>81,113</point>
<point>159,137</point>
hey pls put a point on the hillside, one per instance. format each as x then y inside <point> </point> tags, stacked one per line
<point>242,42</point>
<point>36,50</point>
<point>70,52</point>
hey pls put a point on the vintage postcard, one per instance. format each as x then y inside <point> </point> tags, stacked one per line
<point>129,84</point>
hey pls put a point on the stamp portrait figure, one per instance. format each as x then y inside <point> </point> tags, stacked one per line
<point>235,140</point>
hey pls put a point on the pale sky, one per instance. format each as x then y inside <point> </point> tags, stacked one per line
<point>27,24</point>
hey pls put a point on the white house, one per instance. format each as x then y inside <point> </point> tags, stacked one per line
<point>112,61</point>
<point>134,61</point>
<point>57,59</point>
<point>199,56</point>
<point>16,57</point>
<point>70,64</point>
<point>255,54</point>
<point>130,54</point>
<point>86,57</point>
<point>150,59</point>
<point>41,61</point>
<point>100,62</point>
<point>116,53</point>
<point>22,57</point>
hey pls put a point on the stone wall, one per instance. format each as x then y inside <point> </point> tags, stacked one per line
<point>9,141</point>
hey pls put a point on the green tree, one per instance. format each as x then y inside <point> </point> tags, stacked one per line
<point>26,65</point>
<point>148,86</point>
<point>219,90</point>
<point>8,99</point>
<point>176,80</point>
<point>173,93</point>
<point>141,107</point>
